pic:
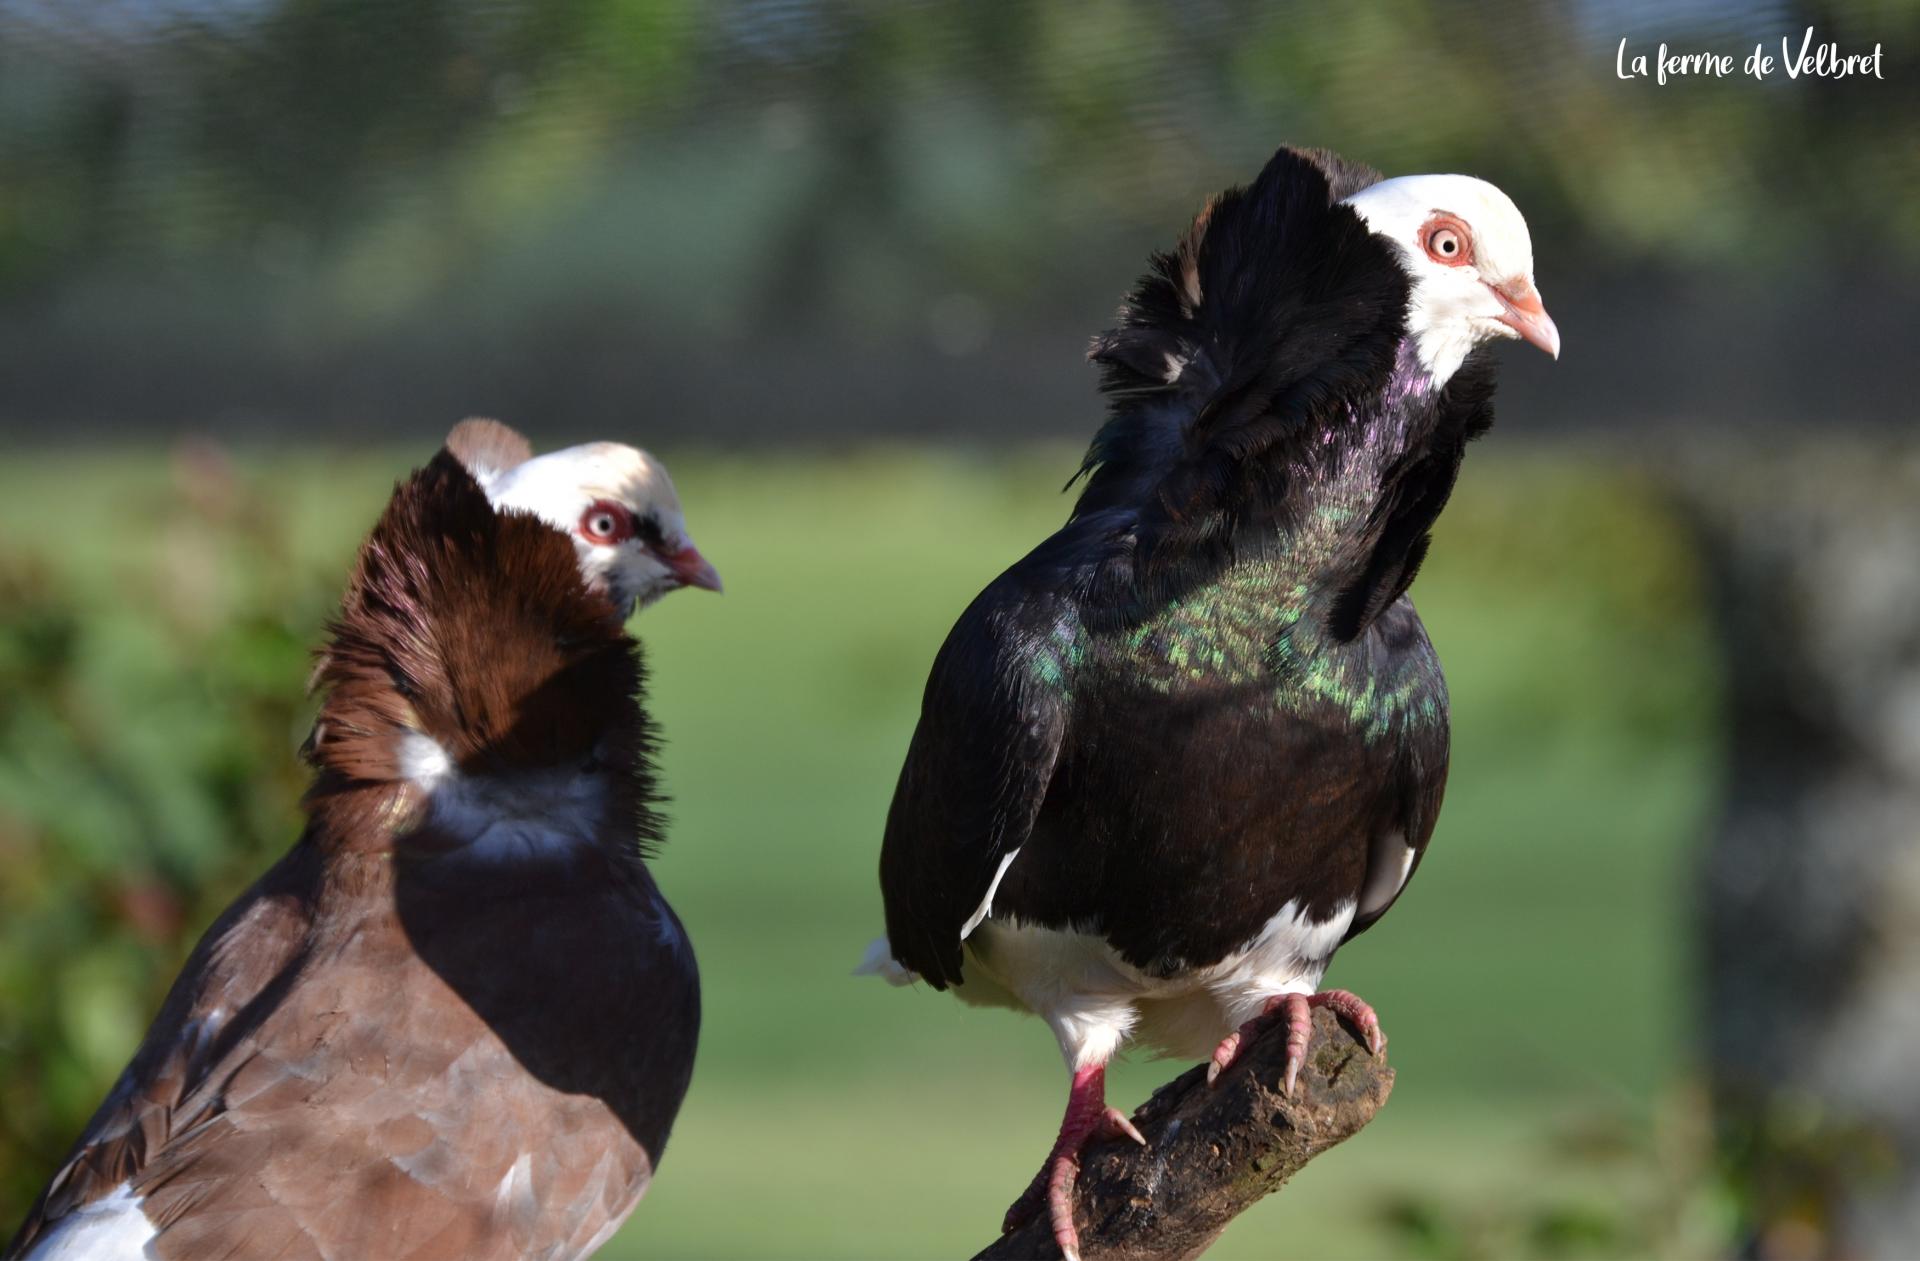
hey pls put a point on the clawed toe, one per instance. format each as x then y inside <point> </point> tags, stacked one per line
<point>1296,1011</point>
<point>1117,1124</point>
<point>1088,1120</point>
<point>1357,1012</point>
<point>1022,1210</point>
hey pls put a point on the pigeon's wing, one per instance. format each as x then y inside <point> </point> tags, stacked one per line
<point>423,1094</point>
<point>234,971</point>
<point>488,449</point>
<point>976,773</point>
<point>1411,792</point>
<point>405,1090</point>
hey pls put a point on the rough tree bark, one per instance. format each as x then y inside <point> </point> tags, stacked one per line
<point>1811,886</point>
<point>1211,1154</point>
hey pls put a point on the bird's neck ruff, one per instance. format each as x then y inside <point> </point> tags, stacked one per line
<point>471,676</point>
<point>1262,373</point>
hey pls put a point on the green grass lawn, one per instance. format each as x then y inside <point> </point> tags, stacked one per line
<point>1531,980</point>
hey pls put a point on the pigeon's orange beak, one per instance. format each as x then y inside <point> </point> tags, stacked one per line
<point>1526,315</point>
<point>693,569</point>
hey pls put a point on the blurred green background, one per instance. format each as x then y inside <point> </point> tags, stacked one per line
<point>837,264</point>
<point>1532,986</point>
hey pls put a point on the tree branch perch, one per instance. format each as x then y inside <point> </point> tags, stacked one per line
<point>1211,1154</point>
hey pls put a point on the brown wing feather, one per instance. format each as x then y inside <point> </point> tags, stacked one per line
<point>412,1100</point>
<point>422,1092</point>
<point>236,963</point>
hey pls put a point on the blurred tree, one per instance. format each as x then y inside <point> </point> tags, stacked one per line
<point>340,211</point>
<point>1811,887</point>
<point>308,117</point>
<point>321,116</point>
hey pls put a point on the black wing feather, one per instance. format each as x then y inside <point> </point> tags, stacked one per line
<point>975,775</point>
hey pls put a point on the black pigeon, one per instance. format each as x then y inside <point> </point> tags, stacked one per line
<point>1196,740</point>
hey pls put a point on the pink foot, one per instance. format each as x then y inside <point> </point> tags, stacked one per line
<point>1088,1120</point>
<point>1297,1011</point>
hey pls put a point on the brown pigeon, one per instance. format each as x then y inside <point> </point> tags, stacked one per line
<point>458,1018</point>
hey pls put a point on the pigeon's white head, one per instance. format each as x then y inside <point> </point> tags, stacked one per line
<point>616,503</point>
<point>1466,250</point>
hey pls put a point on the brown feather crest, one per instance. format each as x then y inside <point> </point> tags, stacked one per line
<point>475,630</point>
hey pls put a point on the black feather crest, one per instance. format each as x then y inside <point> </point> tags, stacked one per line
<point>1276,308</point>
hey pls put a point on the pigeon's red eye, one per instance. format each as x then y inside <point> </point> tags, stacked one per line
<point>1446,241</point>
<point>606,522</point>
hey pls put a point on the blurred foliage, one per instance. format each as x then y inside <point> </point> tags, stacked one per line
<point>1628,1187</point>
<point>146,732</point>
<point>151,708</point>
<point>1795,1165</point>
<point>387,148</point>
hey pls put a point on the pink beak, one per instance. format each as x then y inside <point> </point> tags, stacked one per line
<point>693,569</point>
<point>1526,315</point>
